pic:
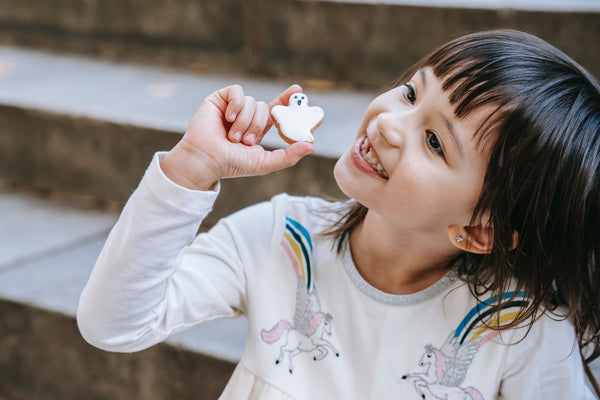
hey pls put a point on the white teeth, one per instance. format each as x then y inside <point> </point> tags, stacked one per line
<point>367,154</point>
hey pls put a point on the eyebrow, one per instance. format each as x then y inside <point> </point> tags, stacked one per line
<point>446,120</point>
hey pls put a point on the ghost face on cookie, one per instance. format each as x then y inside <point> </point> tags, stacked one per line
<point>297,121</point>
<point>298,99</point>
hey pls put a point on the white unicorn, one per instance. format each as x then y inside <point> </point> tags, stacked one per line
<point>451,364</point>
<point>297,342</point>
<point>311,326</point>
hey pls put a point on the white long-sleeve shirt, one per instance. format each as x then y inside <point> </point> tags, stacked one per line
<point>316,328</point>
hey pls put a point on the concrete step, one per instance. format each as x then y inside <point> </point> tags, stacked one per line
<point>350,43</point>
<point>47,251</point>
<point>90,127</point>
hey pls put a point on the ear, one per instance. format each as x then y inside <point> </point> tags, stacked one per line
<point>478,240</point>
<point>474,239</point>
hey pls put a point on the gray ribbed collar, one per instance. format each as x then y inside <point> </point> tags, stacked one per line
<point>394,299</point>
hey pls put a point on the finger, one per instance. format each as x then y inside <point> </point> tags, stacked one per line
<point>281,100</point>
<point>284,158</point>
<point>234,98</point>
<point>243,120</point>
<point>284,96</point>
<point>256,130</point>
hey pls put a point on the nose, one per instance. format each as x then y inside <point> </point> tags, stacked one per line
<point>392,127</point>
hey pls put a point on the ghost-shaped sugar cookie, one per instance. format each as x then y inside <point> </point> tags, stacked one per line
<point>297,121</point>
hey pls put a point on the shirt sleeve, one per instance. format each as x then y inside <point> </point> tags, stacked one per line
<point>546,364</point>
<point>155,276</point>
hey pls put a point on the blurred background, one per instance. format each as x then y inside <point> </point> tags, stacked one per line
<point>90,89</point>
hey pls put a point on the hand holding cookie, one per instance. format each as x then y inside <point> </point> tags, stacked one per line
<point>222,141</point>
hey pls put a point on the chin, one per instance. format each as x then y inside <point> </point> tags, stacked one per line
<point>343,177</point>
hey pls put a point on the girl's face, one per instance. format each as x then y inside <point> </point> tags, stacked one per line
<point>413,162</point>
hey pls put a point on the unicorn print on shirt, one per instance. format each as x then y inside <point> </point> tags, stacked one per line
<point>310,331</point>
<point>444,369</point>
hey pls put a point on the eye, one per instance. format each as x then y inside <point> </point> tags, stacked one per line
<point>434,143</point>
<point>409,93</point>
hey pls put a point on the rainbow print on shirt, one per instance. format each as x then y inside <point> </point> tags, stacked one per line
<point>311,327</point>
<point>444,369</point>
<point>472,326</point>
<point>297,244</point>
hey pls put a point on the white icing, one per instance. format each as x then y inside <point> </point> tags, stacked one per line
<point>298,120</point>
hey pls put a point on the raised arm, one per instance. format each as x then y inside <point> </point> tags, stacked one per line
<point>148,283</point>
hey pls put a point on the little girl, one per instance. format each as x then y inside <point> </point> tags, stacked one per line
<point>464,267</point>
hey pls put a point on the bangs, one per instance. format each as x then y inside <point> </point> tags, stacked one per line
<point>477,71</point>
<point>517,75</point>
<point>470,75</point>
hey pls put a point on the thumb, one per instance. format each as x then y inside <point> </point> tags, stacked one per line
<point>284,96</point>
<point>284,158</point>
<point>281,100</point>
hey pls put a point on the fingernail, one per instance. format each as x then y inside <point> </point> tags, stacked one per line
<point>250,138</point>
<point>232,117</point>
<point>236,136</point>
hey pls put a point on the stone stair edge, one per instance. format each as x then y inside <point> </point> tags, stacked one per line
<point>273,38</point>
<point>103,166</point>
<point>95,126</point>
<point>44,357</point>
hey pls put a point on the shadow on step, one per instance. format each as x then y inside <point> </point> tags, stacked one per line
<point>42,356</point>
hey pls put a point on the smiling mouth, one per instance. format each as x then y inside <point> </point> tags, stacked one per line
<point>369,155</point>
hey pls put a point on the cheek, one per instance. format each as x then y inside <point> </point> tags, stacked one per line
<point>422,192</point>
<point>408,187</point>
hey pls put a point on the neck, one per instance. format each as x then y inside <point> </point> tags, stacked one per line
<point>397,262</point>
